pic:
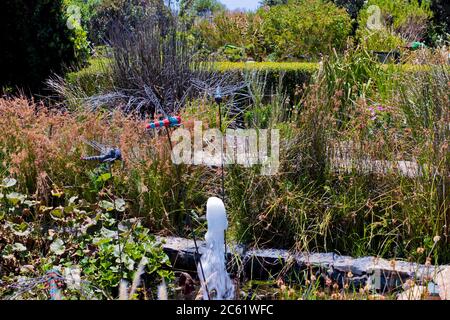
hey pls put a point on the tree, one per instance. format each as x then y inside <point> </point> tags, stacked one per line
<point>201,8</point>
<point>37,41</point>
<point>439,27</point>
<point>271,3</point>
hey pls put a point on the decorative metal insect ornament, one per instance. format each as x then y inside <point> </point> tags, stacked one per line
<point>229,97</point>
<point>55,282</point>
<point>107,154</point>
<point>218,88</point>
<point>168,122</point>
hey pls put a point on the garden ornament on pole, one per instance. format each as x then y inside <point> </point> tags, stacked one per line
<point>108,155</point>
<point>166,123</point>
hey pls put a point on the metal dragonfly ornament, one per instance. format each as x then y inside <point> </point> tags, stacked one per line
<point>218,89</point>
<point>230,97</point>
<point>107,154</point>
<point>55,282</point>
<point>168,122</point>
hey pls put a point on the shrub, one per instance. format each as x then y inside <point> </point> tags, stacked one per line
<point>85,8</point>
<point>205,7</point>
<point>238,29</point>
<point>94,78</point>
<point>129,14</point>
<point>153,66</point>
<point>36,41</point>
<point>399,22</point>
<point>304,28</point>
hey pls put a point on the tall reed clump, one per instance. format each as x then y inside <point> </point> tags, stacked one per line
<point>377,145</point>
<point>363,164</point>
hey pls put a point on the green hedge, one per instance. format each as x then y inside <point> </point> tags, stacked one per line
<point>93,79</point>
<point>306,67</point>
<point>96,77</point>
<point>292,74</point>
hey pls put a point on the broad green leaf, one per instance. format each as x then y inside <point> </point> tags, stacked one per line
<point>104,177</point>
<point>57,213</point>
<point>106,233</point>
<point>14,198</point>
<point>57,247</point>
<point>107,205</point>
<point>30,203</point>
<point>8,182</point>
<point>73,199</point>
<point>100,241</point>
<point>19,247</point>
<point>120,205</point>
<point>21,230</point>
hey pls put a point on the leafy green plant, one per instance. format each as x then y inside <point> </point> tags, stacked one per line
<point>114,259</point>
<point>77,234</point>
<point>304,28</point>
<point>395,23</point>
<point>227,29</point>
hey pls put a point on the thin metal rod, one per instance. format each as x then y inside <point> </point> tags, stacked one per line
<point>197,253</point>
<point>117,219</point>
<point>223,176</point>
<point>221,147</point>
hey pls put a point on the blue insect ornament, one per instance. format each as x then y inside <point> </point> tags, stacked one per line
<point>218,95</point>
<point>55,281</point>
<point>107,154</point>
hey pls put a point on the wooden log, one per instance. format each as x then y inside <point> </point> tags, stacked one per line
<point>382,275</point>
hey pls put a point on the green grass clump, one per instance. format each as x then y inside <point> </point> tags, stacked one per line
<point>93,79</point>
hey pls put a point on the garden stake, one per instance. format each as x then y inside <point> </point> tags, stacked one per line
<point>218,98</point>
<point>197,253</point>
<point>108,155</point>
<point>117,219</point>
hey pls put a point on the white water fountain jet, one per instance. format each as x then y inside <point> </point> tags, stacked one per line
<point>218,282</point>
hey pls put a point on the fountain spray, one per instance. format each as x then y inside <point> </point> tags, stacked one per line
<point>212,260</point>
